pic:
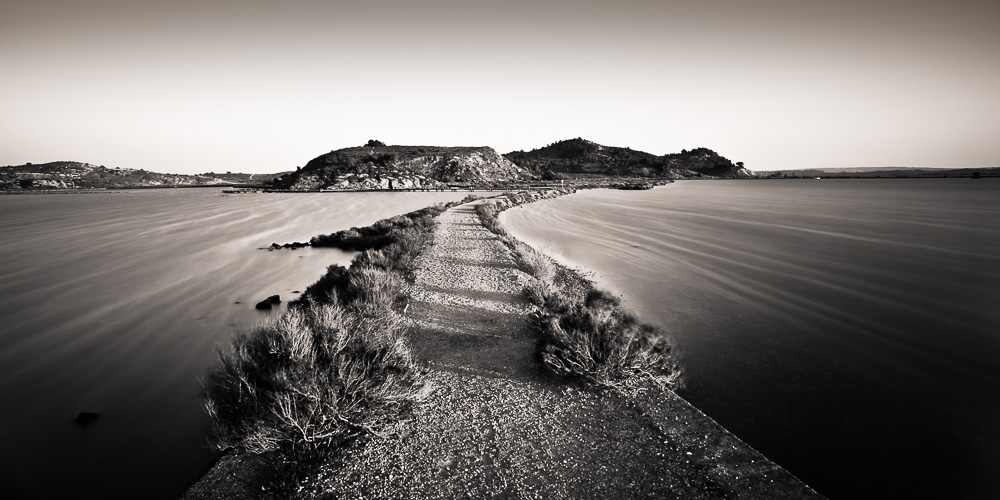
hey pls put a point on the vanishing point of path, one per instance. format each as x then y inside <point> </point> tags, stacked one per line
<point>493,425</point>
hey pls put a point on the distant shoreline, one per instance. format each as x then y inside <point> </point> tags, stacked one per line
<point>603,183</point>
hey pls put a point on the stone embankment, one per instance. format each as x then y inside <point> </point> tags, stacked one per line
<point>494,425</point>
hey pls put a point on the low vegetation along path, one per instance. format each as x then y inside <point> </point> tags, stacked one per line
<point>494,425</point>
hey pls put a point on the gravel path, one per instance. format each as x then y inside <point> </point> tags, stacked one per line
<point>493,425</point>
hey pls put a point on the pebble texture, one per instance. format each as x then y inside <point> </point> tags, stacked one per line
<point>495,426</point>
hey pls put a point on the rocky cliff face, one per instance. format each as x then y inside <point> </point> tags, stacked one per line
<point>402,167</point>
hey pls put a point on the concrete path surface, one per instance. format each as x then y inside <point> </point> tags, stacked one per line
<point>495,426</point>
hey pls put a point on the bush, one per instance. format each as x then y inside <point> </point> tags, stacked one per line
<point>334,281</point>
<point>380,234</point>
<point>390,244</point>
<point>537,291</point>
<point>371,287</point>
<point>593,338</point>
<point>488,211</point>
<point>599,342</point>
<point>309,379</point>
<point>535,263</point>
<point>335,364</point>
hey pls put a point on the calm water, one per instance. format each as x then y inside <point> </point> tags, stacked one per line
<point>112,303</point>
<point>847,329</point>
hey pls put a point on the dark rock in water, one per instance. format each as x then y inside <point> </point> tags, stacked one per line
<point>635,186</point>
<point>266,303</point>
<point>296,291</point>
<point>293,245</point>
<point>86,417</point>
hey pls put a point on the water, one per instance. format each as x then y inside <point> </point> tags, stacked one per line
<point>113,303</point>
<point>847,329</point>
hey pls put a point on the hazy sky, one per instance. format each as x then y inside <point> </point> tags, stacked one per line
<point>263,86</point>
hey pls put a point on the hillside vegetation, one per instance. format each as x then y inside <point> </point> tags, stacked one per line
<point>575,157</point>
<point>77,175</point>
<point>377,166</point>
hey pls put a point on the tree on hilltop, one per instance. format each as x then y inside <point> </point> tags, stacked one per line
<point>372,143</point>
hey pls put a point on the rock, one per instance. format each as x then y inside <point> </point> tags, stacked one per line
<point>85,417</point>
<point>293,245</point>
<point>275,299</point>
<point>264,304</point>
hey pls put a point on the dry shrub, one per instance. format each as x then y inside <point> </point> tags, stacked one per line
<point>599,342</point>
<point>375,258</point>
<point>309,379</point>
<point>382,233</point>
<point>373,287</point>
<point>593,339</point>
<point>336,363</point>
<point>534,262</point>
<point>488,211</point>
<point>538,291</point>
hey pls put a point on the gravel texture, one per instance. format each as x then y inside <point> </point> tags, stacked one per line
<point>493,425</point>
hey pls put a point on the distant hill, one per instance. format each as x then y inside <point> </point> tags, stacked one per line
<point>377,166</point>
<point>883,172</point>
<point>77,175</point>
<point>582,157</point>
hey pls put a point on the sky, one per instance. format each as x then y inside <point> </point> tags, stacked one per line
<point>262,86</point>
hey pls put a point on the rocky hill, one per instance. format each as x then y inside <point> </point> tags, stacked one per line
<point>77,175</point>
<point>377,166</point>
<point>583,157</point>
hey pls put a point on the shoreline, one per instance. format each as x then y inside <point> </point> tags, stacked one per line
<point>584,278</point>
<point>577,268</point>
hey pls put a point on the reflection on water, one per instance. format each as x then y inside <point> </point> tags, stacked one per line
<point>848,329</point>
<point>113,302</point>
